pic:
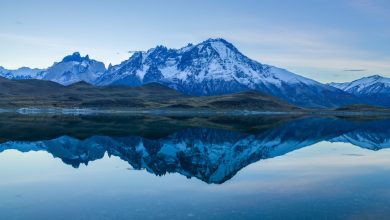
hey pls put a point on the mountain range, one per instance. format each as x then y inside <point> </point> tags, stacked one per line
<point>22,73</point>
<point>210,68</point>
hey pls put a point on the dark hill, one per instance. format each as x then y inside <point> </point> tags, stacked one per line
<point>46,94</point>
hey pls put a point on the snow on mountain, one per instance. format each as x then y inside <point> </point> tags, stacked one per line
<point>216,67</point>
<point>365,85</point>
<point>74,68</point>
<point>375,88</point>
<point>22,73</point>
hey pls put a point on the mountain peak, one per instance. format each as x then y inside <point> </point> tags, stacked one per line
<point>218,43</point>
<point>75,57</point>
<point>375,77</point>
<point>74,68</point>
<point>363,80</point>
<point>160,49</point>
<point>220,40</point>
<point>372,79</point>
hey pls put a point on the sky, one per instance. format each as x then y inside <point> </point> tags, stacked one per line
<point>326,40</point>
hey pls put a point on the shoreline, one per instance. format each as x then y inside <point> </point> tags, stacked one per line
<point>184,112</point>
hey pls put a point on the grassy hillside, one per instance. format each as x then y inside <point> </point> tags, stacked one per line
<point>365,108</point>
<point>45,94</point>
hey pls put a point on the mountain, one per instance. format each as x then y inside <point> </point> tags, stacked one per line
<point>74,68</point>
<point>375,88</point>
<point>22,73</point>
<point>216,67</point>
<point>34,94</point>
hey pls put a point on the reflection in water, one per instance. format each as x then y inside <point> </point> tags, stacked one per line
<point>210,149</point>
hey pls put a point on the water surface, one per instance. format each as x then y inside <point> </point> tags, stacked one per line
<point>122,167</point>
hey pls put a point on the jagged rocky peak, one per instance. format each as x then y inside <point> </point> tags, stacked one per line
<point>158,55</point>
<point>75,57</point>
<point>75,68</point>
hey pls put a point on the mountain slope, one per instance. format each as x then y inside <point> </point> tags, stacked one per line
<point>74,68</point>
<point>216,67</point>
<point>375,88</point>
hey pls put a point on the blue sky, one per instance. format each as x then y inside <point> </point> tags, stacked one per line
<point>334,40</point>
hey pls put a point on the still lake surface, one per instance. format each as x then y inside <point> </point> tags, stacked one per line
<point>143,167</point>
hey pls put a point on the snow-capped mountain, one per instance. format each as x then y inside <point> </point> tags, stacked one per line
<point>216,67</point>
<point>365,86</point>
<point>22,73</point>
<point>74,68</point>
<point>374,88</point>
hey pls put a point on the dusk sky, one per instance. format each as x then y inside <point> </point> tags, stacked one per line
<point>338,40</point>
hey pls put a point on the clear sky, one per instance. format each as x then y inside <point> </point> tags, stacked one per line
<point>327,40</point>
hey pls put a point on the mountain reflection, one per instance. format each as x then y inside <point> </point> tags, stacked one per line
<point>210,149</point>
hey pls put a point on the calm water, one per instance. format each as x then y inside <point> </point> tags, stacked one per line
<point>113,167</point>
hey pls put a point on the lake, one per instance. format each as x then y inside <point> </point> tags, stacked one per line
<point>220,167</point>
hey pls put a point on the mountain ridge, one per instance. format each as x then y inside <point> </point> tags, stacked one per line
<point>21,73</point>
